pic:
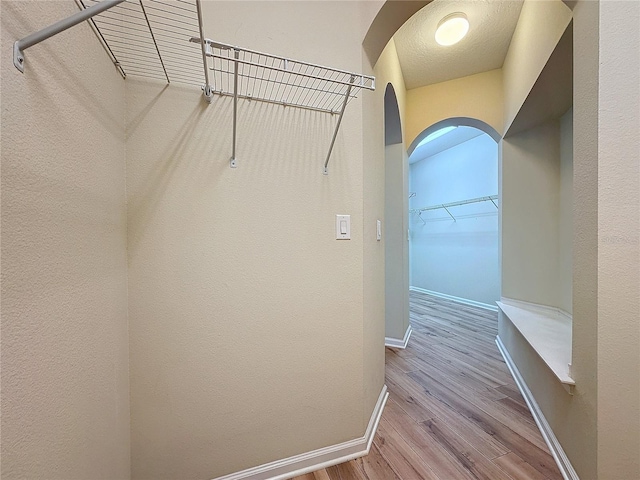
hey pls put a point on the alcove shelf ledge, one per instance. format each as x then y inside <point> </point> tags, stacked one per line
<point>549,332</point>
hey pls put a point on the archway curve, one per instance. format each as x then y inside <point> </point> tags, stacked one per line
<point>392,122</point>
<point>391,16</point>
<point>455,122</point>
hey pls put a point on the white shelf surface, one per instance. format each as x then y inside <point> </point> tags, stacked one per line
<point>548,331</point>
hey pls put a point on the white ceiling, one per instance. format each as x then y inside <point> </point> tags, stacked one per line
<point>444,142</point>
<point>424,62</point>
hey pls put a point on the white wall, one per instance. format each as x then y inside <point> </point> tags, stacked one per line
<point>457,258</point>
<point>65,348</point>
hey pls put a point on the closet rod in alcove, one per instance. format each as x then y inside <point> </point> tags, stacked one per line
<point>446,206</point>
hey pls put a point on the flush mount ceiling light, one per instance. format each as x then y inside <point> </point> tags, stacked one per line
<point>452,29</point>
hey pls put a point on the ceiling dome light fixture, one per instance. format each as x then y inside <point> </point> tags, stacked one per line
<point>452,29</point>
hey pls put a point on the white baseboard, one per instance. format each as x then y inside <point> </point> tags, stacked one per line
<point>566,469</point>
<point>317,459</point>
<point>486,306</point>
<point>401,344</point>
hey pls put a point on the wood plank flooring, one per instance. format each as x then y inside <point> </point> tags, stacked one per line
<point>454,412</point>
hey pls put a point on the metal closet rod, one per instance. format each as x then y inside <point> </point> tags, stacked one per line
<point>30,40</point>
<point>446,206</point>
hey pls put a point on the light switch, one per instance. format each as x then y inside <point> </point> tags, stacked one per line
<point>378,230</point>
<point>343,227</point>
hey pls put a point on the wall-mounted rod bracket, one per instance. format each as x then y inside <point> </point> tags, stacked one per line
<point>30,40</point>
<point>206,88</point>
<point>335,133</point>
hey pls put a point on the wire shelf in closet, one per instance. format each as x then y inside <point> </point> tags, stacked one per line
<point>164,40</point>
<point>280,80</point>
<point>150,39</point>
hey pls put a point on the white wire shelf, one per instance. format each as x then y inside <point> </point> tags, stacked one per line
<point>150,39</point>
<point>280,80</point>
<point>164,40</point>
<point>448,206</point>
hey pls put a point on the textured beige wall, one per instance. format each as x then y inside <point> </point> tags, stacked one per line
<point>530,215</point>
<point>476,96</point>
<point>540,26</point>
<point>619,241</point>
<point>386,70</point>
<point>584,368</point>
<point>565,215</point>
<point>599,427</point>
<point>572,418</point>
<point>396,204</point>
<point>65,384</point>
<point>247,325</point>
<point>373,209</point>
<point>396,242</point>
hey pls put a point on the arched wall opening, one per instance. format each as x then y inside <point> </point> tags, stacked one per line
<point>519,87</point>
<point>454,212</point>
<point>396,248</point>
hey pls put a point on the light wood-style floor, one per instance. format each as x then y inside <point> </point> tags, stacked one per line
<point>454,412</point>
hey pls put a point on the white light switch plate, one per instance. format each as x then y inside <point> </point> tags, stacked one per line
<point>378,230</point>
<point>343,227</point>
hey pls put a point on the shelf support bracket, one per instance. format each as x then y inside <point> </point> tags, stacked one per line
<point>236,56</point>
<point>30,40</point>
<point>335,133</point>
<point>454,218</point>
<point>206,89</point>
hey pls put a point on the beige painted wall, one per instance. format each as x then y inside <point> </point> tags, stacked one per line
<point>619,241</point>
<point>247,316</point>
<point>540,26</point>
<point>599,427</point>
<point>572,418</point>
<point>387,70</point>
<point>584,368</point>
<point>373,209</point>
<point>530,215</point>
<point>565,215</point>
<point>394,171</point>
<point>65,383</point>
<point>476,96</point>
<point>396,242</point>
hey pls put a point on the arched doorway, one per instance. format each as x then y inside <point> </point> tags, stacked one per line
<point>453,213</point>
<point>397,327</point>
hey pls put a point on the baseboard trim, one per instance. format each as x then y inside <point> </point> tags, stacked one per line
<point>564,465</point>
<point>465,301</point>
<point>317,459</point>
<point>399,344</point>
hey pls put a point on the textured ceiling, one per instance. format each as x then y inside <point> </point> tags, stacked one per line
<point>424,62</point>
